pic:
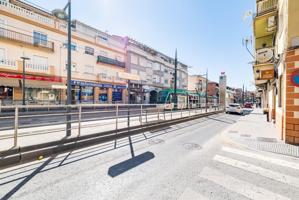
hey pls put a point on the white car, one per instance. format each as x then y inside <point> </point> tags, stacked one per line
<point>234,108</point>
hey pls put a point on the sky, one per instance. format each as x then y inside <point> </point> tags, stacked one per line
<point>207,34</point>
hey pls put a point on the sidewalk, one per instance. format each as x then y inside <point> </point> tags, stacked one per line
<point>253,131</point>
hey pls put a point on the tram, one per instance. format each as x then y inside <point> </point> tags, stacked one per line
<point>185,98</point>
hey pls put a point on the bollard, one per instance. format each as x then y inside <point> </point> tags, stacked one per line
<point>16,126</point>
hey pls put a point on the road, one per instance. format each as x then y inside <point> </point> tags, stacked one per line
<point>186,162</point>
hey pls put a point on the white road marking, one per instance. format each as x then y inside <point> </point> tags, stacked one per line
<point>275,161</point>
<point>191,195</point>
<point>241,187</point>
<point>259,170</point>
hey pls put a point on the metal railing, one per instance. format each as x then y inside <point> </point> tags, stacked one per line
<point>266,6</point>
<point>110,61</point>
<point>86,119</point>
<point>9,63</point>
<point>26,39</point>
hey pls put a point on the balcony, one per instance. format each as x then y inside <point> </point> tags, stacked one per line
<point>102,59</point>
<point>37,67</point>
<point>22,12</point>
<point>14,36</point>
<point>266,6</point>
<point>9,64</point>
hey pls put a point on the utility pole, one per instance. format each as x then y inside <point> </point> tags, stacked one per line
<point>175,80</point>
<point>207,82</point>
<point>23,84</point>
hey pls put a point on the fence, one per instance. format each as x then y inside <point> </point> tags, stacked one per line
<point>25,121</point>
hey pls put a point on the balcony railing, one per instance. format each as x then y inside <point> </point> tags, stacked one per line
<point>266,6</point>
<point>37,67</point>
<point>7,63</point>
<point>26,39</point>
<point>110,61</point>
<point>17,10</point>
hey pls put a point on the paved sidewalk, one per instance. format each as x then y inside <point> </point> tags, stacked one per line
<point>253,131</point>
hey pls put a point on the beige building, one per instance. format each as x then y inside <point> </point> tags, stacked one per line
<point>196,83</point>
<point>277,62</point>
<point>97,58</point>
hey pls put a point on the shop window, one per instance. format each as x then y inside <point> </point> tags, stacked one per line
<point>6,93</point>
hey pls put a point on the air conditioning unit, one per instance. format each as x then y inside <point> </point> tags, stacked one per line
<point>271,24</point>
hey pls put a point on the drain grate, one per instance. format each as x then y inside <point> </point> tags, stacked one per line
<point>264,139</point>
<point>245,135</point>
<point>191,146</point>
<point>232,131</point>
<point>155,141</point>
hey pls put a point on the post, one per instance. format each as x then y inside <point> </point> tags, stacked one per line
<point>164,114</point>
<point>171,113</point>
<point>69,72</point>
<point>207,76</point>
<point>79,120</point>
<point>116,118</point>
<point>175,80</point>
<point>158,114</point>
<point>141,113</point>
<point>23,85</point>
<point>146,115</point>
<point>181,111</point>
<point>16,126</point>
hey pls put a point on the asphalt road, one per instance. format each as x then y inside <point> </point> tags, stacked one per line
<point>187,161</point>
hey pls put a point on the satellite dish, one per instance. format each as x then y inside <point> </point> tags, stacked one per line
<point>264,55</point>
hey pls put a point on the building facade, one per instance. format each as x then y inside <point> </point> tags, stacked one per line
<point>277,62</point>
<point>155,69</point>
<point>197,83</point>
<point>27,31</point>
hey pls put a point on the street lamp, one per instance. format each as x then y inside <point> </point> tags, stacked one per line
<point>61,14</point>
<point>206,75</point>
<point>23,85</point>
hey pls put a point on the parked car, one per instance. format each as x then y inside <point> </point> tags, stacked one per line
<point>234,108</point>
<point>248,105</point>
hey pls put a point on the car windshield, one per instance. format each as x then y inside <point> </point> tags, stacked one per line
<point>234,105</point>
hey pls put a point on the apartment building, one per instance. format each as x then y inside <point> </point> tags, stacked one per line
<point>277,60</point>
<point>155,69</point>
<point>28,31</point>
<point>197,83</point>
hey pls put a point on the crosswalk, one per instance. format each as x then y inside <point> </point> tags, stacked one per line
<point>246,162</point>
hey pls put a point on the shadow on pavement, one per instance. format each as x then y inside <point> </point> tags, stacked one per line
<point>126,165</point>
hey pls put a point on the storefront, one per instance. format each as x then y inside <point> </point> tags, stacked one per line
<point>89,92</point>
<point>38,89</point>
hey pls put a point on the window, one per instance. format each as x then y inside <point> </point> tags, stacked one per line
<point>74,67</point>
<point>2,55</point>
<point>102,38</point>
<point>104,53</point>
<point>142,61</point>
<point>40,38</point>
<point>149,64</point>
<point>89,69</point>
<point>134,59</point>
<point>89,51</point>
<point>73,46</point>
<point>156,66</point>
<point>40,63</point>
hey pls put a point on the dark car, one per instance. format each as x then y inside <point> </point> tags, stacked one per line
<point>248,105</point>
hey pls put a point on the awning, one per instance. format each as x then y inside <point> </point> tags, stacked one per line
<point>9,82</point>
<point>43,84</point>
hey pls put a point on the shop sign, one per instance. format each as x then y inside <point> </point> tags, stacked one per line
<point>128,76</point>
<point>29,77</point>
<point>267,74</point>
<point>100,85</point>
<point>295,78</point>
<point>119,86</point>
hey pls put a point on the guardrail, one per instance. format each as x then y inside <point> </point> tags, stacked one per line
<point>85,119</point>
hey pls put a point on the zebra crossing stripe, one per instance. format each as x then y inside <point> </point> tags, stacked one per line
<point>241,187</point>
<point>191,195</point>
<point>259,170</point>
<point>275,161</point>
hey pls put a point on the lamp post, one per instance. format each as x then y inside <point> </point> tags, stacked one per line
<point>207,82</point>
<point>61,14</point>
<point>175,80</point>
<point>23,84</point>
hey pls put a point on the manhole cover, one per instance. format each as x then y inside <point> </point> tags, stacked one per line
<point>155,141</point>
<point>264,139</point>
<point>245,135</point>
<point>232,131</point>
<point>191,146</point>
